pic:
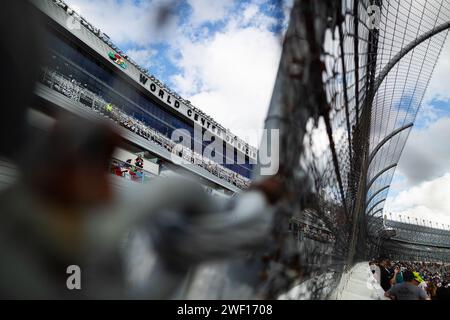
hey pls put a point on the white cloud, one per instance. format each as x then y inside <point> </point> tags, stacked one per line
<point>439,87</point>
<point>427,153</point>
<point>209,10</point>
<point>250,12</point>
<point>428,200</point>
<point>142,56</point>
<point>127,21</point>
<point>252,15</point>
<point>421,187</point>
<point>231,75</point>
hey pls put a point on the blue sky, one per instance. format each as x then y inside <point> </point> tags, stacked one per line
<point>199,27</point>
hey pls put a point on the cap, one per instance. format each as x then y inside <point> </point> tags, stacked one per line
<point>417,277</point>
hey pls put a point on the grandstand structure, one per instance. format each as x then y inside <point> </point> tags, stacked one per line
<point>86,74</point>
<point>417,239</point>
<point>406,251</point>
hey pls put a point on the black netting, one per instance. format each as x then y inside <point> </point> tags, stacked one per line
<point>344,115</point>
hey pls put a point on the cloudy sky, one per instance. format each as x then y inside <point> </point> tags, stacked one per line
<point>222,55</point>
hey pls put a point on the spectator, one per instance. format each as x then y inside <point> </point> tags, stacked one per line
<point>139,162</point>
<point>399,276</point>
<point>117,169</point>
<point>407,290</point>
<point>431,290</point>
<point>386,276</point>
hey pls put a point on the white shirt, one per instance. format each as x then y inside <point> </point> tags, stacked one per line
<point>377,272</point>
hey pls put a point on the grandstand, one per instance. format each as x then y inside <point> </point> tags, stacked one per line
<point>87,75</point>
<point>420,234</point>
<point>417,242</point>
<point>416,252</point>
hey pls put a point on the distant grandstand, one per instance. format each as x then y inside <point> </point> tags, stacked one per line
<point>405,251</point>
<point>418,242</point>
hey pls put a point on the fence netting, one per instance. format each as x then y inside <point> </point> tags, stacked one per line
<point>342,131</point>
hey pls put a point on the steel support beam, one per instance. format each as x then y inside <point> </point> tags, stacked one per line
<point>372,207</point>
<point>375,194</point>
<point>375,212</point>
<point>386,139</point>
<point>388,67</point>
<point>378,175</point>
<point>425,36</point>
<point>374,225</point>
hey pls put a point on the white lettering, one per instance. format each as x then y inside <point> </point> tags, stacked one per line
<point>74,280</point>
<point>187,310</point>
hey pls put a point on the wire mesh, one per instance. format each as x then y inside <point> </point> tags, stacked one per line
<point>400,95</point>
<point>342,133</point>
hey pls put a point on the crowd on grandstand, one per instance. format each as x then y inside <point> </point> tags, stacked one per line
<point>301,230</point>
<point>412,280</point>
<point>433,234</point>
<point>72,89</point>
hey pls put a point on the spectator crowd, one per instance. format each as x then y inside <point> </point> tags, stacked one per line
<point>412,280</point>
<point>73,90</point>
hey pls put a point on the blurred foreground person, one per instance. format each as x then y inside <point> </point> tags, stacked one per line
<point>195,228</point>
<point>387,277</point>
<point>443,292</point>
<point>43,214</point>
<point>63,213</point>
